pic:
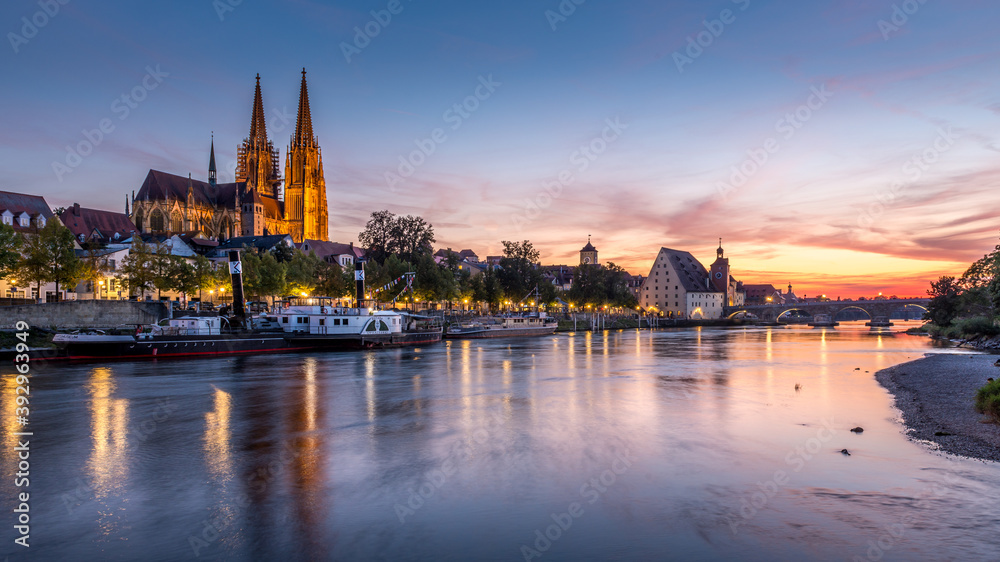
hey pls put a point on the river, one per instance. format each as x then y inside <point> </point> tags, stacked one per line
<point>693,444</point>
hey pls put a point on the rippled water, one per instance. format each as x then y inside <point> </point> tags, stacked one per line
<point>688,444</point>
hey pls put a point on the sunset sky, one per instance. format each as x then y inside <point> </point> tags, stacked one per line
<point>879,127</point>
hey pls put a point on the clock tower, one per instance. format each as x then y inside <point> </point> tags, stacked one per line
<point>588,255</point>
<point>720,275</point>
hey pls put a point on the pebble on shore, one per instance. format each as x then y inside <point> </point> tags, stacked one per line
<point>936,396</point>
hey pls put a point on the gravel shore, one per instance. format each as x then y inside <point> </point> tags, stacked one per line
<point>936,395</point>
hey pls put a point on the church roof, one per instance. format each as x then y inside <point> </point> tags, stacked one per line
<point>259,242</point>
<point>18,203</point>
<point>161,186</point>
<point>81,220</point>
<point>690,272</point>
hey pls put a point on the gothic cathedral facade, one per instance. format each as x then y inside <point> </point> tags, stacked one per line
<point>259,202</point>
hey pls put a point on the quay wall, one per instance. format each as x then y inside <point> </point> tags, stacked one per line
<point>72,315</point>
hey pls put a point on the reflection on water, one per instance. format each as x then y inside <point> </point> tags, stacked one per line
<point>218,456</point>
<point>465,449</point>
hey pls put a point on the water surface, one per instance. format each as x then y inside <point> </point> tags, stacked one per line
<point>686,444</point>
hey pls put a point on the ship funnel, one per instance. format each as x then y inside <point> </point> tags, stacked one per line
<point>236,271</point>
<point>359,281</point>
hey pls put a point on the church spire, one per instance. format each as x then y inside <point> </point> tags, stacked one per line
<point>303,125</point>
<point>212,175</point>
<point>258,130</point>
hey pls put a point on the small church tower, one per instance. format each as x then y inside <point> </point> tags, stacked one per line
<point>252,214</point>
<point>212,175</point>
<point>721,275</point>
<point>588,255</point>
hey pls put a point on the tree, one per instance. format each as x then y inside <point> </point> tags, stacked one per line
<point>945,301</point>
<point>136,268</point>
<point>10,245</point>
<point>301,273</point>
<point>204,274</point>
<point>377,235</point>
<point>333,281</point>
<point>412,237</point>
<point>283,252</point>
<point>95,267</point>
<point>50,257</point>
<point>386,234</point>
<point>486,288</point>
<point>519,273</point>
<point>184,277</point>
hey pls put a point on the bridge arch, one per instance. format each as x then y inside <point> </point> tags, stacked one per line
<point>853,307</point>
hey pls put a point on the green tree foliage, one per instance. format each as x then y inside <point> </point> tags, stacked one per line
<point>136,270</point>
<point>204,275</point>
<point>605,285</point>
<point>263,276</point>
<point>301,273</point>
<point>945,302</point>
<point>334,281</point>
<point>407,237</point>
<point>486,288</point>
<point>50,257</point>
<point>95,267</point>
<point>519,273</point>
<point>10,250</point>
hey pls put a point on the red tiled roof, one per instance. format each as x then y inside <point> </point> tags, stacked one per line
<point>324,249</point>
<point>18,203</point>
<point>80,220</point>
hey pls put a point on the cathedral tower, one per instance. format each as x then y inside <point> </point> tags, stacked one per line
<point>305,186</point>
<point>256,158</point>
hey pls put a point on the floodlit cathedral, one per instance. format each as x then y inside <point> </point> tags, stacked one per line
<point>256,204</point>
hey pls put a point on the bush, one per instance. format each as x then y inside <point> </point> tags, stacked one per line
<point>976,326</point>
<point>988,400</point>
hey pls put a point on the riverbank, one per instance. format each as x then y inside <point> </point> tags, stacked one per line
<point>936,395</point>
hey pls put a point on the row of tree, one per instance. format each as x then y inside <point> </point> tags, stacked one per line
<point>976,293</point>
<point>396,245</point>
<point>400,244</point>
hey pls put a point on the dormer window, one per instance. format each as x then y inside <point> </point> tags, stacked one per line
<point>41,222</point>
<point>8,217</point>
<point>117,236</point>
<point>24,220</point>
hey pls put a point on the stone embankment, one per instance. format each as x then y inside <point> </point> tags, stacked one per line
<point>86,314</point>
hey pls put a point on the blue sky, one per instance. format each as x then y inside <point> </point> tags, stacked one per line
<point>834,207</point>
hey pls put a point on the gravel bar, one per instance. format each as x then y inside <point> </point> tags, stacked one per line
<point>936,395</point>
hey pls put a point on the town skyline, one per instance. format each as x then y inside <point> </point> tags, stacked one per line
<point>880,184</point>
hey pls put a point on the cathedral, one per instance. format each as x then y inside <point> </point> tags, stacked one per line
<point>259,202</point>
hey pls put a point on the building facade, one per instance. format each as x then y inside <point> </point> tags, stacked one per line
<point>256,204</point>
<point>679,286</point>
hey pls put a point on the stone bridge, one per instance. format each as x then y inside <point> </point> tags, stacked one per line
<point>874,308</point>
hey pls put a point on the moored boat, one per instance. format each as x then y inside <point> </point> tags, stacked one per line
<point>316,323</point>
<point>535,324</point>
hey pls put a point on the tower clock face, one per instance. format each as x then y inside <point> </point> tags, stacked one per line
<point>586,260</point>
<point>718,275</point>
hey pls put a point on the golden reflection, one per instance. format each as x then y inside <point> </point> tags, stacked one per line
<point>9,406</point>
<point>769,346</point>
<point>507,372</point>
<point>218,454</point>
<point>370,387</point>
<point>108,463</point>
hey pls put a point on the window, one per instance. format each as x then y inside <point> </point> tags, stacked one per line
<point>8,219</point>
<point>41,222</point>
<point>322,321</point>
<point>25,220</point>
<point>284,320</point>
<point>336,321</point>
